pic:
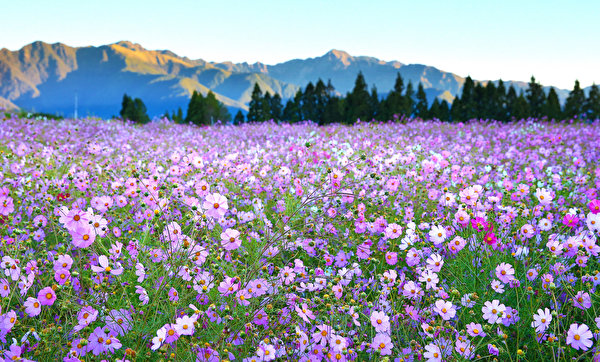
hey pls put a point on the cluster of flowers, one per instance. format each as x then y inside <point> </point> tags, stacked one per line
<point>420,241</point>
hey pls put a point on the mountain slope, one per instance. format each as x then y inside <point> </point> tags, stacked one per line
<point>48,77</point>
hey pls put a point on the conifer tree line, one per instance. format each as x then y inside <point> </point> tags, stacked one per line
<point>319,103</point>
<point>201,110</point>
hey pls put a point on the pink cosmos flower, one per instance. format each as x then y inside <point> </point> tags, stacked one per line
<point>493,311</point>
<point>230,239</point>
<point>6,206</point>
<point>4,288</point>
<point>541,320</point>
<point>215,205</point>
<point>173,295</point>
<point>432,353</point>
<point>322,334</point>
<point>46,296</point>
<point>83,236</point>
<point>475,329</point>
<point>242,296</point>
<point>304,313</point>
<point>391,258</point>
<point>96,341</point>
<point>383,343</point>
<point>104,267</point>
<point>445,309</point>
<point>74,218</point>
<point>32,307</point>
<point>62,276</point>
<point>579,336</point>
<point>393,231</point>
<point>185,326</point>
<point>582,300</point>
<point>435,262</point>
<point>505,272</point>
<point>380,321</point>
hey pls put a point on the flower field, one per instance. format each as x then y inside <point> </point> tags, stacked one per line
<point>391,242</point>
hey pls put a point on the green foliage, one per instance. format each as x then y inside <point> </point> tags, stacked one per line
<point>256,108</point>
<point>134,110</point>
<point>536,98</point>
<point>239,118</point>
<point>552,106</point>
<point>592,103</point>
<point>357,102</point>
<point>421,107</point>
<point>204,110</point>
<point>575,102</point>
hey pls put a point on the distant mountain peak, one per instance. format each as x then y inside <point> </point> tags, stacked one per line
<point>130,45</point>
<point>341,55</point>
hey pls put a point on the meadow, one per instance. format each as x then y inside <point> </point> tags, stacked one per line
<point>423,241</point>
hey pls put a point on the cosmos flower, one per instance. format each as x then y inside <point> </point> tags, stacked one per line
<point>579,336</point>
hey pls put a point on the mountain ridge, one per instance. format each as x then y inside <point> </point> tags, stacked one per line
<point>46,77</point>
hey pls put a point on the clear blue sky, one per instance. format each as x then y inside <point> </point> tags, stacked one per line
<point>557,41</point>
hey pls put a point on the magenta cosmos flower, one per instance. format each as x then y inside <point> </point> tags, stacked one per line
<point>215,205</point>
<point>594,206</point>
<point>490,238</point>
<point>230,239</point>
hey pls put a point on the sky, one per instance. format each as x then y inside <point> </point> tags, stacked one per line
<point>556,41</point>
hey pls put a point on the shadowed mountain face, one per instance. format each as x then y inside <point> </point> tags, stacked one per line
<point>47,77</point>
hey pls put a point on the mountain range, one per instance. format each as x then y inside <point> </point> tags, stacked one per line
<point>52,78</point>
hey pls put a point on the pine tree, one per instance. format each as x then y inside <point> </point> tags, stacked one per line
<point>575,102</point>
<point>479,100</point>
<point>134,110</point>
<point>309,103</point>
<point>239,118</point>
<point>276,107</point>
<point>434,110</point>
<point>536,98</point>
<point>490,104</point>
<point>357,102</point>
<point>468,107</point>
<point>421,107</point>
<point>592,103</point>
<point>126,107</point>
<point>500,109</point>
<point>265,110</point>
<point>140,112</point>
<point>195,111</point>
<point>552,106</point>
<point>520,108</point>
<point>511,100</point>
<point>444,114</point>
<point>456,112</point>
<point>255,108</point>
<point>393,106</point>
<point>292,112</point>
<point>320,101</point>
<point>179,116</point>
<point>409,101</point>
<point>333,111</point>
<point>374,103</point>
